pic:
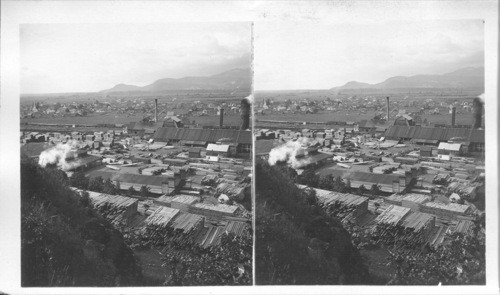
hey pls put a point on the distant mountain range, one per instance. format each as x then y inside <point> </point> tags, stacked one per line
<point>230,80</point>
<point>462,78</point>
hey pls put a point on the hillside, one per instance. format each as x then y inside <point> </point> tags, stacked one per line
<point>63,241</point>
<point>295,242</point>
<point>462,78</point>
<point>230,80</point>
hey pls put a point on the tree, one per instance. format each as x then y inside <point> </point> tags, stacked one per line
<point>96,184</point>
<point>311,197</point>
<point>348,185</point>
<point>326,182</point>
<point>229,263</point>
<point>131,191</point>
<point>288,171</point>
<point>109,187</point>
<point>375,190</point>
<point>338,184</point>
<point>362,190</point>
<point>84,199</point>
<point>461,260</point>
<point>309,178</point>
<point>144,191</point>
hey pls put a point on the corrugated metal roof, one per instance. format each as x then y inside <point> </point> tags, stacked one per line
<point>449,146</point>
<point>185,199</point>
<point>218,147</point>
<point>435,133</point>
<point>130,178</point>
<point>208,135</point>
<point>374,177</point>
<point>217,208</point>
<point>449,207</point>
<point>416,198</point>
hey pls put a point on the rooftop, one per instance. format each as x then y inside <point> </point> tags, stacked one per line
<point>392,215</point>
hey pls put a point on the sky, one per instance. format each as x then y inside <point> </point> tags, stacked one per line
<point>312,55</point>
<point>59,58</point>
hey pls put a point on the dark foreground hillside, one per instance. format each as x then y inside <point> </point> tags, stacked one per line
<point>63,241</point>
<point>295,242</point>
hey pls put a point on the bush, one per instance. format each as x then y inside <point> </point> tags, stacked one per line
<point>56,225</point>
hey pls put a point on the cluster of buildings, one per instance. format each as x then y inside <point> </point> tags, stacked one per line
<point>362,104</point>
<point>198,179</point>
<point>184,215</point>
<point>429,179</point>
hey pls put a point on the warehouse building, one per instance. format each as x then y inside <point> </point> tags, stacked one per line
<point>450,210</point>
<point>242,139</point>
<point>434,135</point>
<point>157,184</point>
<point>411,201</point>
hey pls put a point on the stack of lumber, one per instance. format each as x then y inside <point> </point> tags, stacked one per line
<point>234,191</point>
<point>419,221</point>
<point>218,211</point>
<point>164,200</point>
<point>464,226</point>
<point>183,202</point>
<point>393,215</point>
<point>162,216</point>
<point>236,227</point>
<point>187,222</point>
<point>210,180</point>
<point>117,209</point>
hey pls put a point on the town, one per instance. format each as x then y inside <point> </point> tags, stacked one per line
<point>400,183</point>
<point>155,177</point>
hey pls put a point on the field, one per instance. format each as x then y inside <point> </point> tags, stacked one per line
<point>325,116</point>
<point>114,118</point>
<point>359,105</point>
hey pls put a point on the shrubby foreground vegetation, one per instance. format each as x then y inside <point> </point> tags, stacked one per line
<point>64,242</point>
<point>297,243</point>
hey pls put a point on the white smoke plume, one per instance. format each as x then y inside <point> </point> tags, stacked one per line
<point>288,152</point>
<point>250,99</point>
<point>481,97</point>
<point>58,154</point>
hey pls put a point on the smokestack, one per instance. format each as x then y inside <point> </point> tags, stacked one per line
<point>453,113</point>
<point>245,114</point>
<point>388,109</point>
<point>221,118</point>
<point>477,107</point>
<point>156,109</point>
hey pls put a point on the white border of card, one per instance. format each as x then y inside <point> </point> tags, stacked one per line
<point>14,13</point>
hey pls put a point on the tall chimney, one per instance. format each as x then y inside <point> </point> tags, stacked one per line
<point>221,117</point>
<point>156,109</point>
<point>453,113</point>
<point>245,114</point>
<point>477,110</point>
<point>388,109</point>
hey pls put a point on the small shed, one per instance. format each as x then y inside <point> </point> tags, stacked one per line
<point>195,152</point>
